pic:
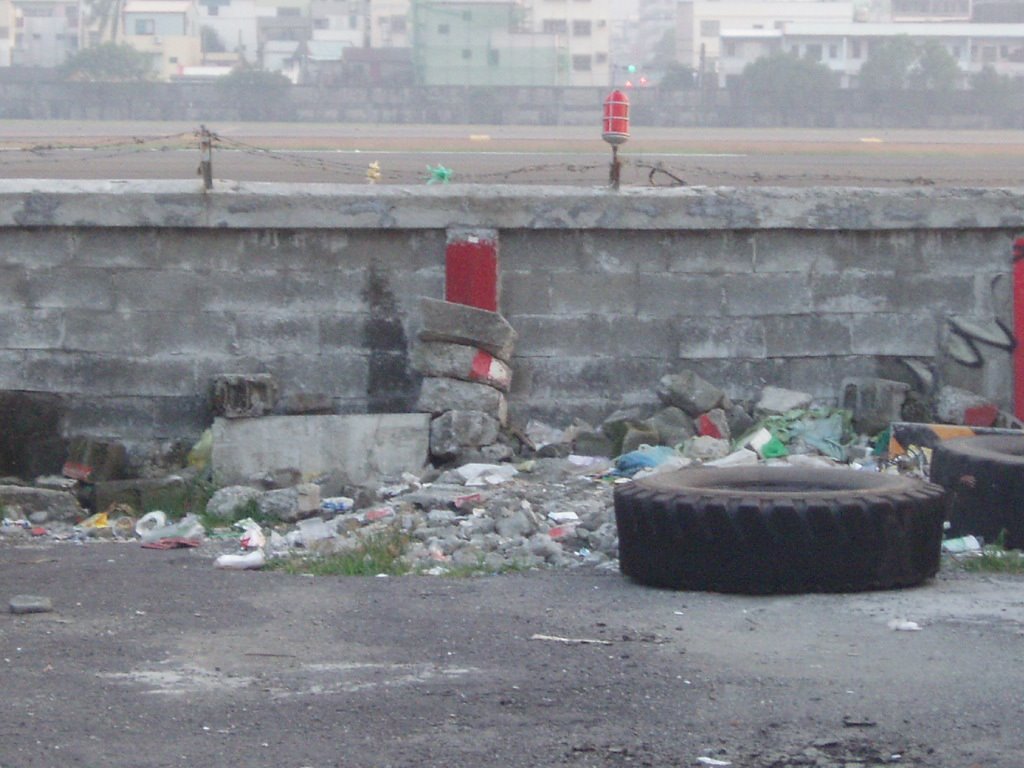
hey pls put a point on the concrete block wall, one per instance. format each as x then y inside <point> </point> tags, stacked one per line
<point>125,298</point>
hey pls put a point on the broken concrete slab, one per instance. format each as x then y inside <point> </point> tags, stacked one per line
<point>776,400</point>
<point>242,396</point>
<point>690,392</point>
<point>22,604</point>
<point>438,395</point>
<point>955,406</point>
<point>358,449</point>
<point>457,361</point>
<point>462,324</point>
<point>673,425</point>
<point>453,432</point>
<point>875,403</point>
<point>24,501</point>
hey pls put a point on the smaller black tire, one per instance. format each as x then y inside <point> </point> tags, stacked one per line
<point>762,530</point>
<point>984,478</point>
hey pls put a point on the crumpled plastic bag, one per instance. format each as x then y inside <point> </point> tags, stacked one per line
<point>644,457</point>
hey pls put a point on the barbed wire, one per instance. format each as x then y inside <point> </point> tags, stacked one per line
<point>353,167</point>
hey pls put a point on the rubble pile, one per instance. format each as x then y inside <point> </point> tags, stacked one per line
<point>487,508</point>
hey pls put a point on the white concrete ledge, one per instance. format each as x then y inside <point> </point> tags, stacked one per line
<point>245,205</point>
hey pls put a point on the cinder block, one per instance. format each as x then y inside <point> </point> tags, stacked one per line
<point>671,295</point>
<point>703,338</point>
<point>438,395</point>
<point>453,432</point>
<point>461,362</point>
<point>766,294</point>
<point>241,396</point>
<point>460,324</point>
<point>31,329</point>
<point>875,403</point>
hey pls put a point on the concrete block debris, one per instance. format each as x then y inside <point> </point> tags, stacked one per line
<point>777,400</point>
<point>690,392</point>
<point>874,403</point>
<point>462,324</point>
<point>359,449</point>
<point>243,396</point>
<point>458,361</point>
<point>453,432</point>
<point>21,604</point>
<point>438,395</point>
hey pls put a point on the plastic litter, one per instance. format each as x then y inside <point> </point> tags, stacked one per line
<point>774,449</point>
<point>201,453</point>
<point>902,625</point>
<point>337,504</point>
<point>735,459</point>
<point>153,526</point>
<point>247,561</point>
<point>962,544</point>
<point>486,474</point>
<point>644,457</point>
<point>712,761</point>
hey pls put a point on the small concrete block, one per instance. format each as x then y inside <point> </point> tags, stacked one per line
<point>242,396</point>
<point>458,361</point>
<point>454,431</point>
<point>58,505</point>
<point>593,443</point>
<point>952,404</point>
<point>690,392</point>
<point>31,604</point>
<point>306,404</point>
<point>779,400</point>
<point>674,426</point>
<point>438,395</point>
<point>875,403</point>
<point>637,435</point>
<point>462,324</point>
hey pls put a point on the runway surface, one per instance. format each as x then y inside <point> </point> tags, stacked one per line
<point>334,153</point>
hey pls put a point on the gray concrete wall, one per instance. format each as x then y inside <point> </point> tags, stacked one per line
<point>125,298</point>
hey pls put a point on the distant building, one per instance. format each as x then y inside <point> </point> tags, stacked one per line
<point>844,48</point>
<point>582,32</point>
<point>167,30</point>
<point>482,43</point>
<point>45,32</point>
<point>229,31</point>
<point>6,32</point>
<point>701,23</point>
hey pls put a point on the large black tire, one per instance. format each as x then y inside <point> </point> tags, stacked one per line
<point>763,530</point>
<point>984,477</point>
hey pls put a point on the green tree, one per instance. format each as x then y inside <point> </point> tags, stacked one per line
<point>109,63</point>
<point>936,69</point>
<point>678,77</point>
<point>787,87</point>
<point>888,65</point>
<point>256,93</point>
<point>997,96</point>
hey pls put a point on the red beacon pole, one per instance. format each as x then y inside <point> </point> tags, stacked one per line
<point>615,129</point>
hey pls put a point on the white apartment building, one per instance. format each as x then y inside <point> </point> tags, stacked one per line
<point>167,30</point>
<point>234,23</point>
<point>582,31</point>
<point>700,23</point>
<point>844,48</point>
<point>41,33</point>
<point>6,32</point>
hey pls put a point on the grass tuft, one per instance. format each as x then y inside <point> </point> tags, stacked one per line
<point>377,553</point>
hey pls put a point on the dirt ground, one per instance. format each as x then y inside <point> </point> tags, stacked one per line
<point>155,658</point>
<point>331,153</point>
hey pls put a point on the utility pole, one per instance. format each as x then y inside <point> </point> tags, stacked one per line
<point>206,157</point>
